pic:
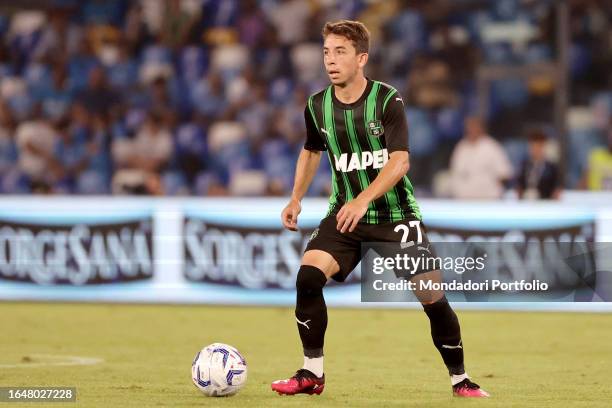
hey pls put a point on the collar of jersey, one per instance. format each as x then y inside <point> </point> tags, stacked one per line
<point>355,104</point>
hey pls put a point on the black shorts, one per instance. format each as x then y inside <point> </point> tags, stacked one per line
<point>346,248</point>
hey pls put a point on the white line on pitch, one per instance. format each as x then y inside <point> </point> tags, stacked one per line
<point>44,360</point>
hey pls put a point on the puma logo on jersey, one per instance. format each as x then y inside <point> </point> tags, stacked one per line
<point>361,161</point>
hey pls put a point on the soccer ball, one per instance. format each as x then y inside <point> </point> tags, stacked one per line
<point>219,370</point>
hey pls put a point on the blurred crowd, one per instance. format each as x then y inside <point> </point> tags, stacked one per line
<point>206,97</point>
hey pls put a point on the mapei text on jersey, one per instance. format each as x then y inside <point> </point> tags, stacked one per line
<point>361,161</point>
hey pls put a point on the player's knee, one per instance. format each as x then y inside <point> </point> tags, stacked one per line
<point>310,280</point>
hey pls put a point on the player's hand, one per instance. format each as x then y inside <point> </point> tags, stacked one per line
<point>290,214</point>
<point>350,214</point>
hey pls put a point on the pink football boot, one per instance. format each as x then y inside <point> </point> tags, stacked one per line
<point>303,382</point>
<point>467,388</point>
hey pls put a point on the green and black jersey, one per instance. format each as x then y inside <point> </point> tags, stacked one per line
<point>359,138</point>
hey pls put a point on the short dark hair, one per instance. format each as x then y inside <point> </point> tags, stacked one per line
<point>537,135</point>
<point>355,31</point>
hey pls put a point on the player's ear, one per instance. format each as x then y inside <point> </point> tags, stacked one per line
<point>362,59</point>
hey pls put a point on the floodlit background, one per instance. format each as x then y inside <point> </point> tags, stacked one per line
<point>206,98</point>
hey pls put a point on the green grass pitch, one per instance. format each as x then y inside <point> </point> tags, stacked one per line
<point>374,358</point>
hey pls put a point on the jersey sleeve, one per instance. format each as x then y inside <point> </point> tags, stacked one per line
<point>313,137</point>
<point>395,124</point>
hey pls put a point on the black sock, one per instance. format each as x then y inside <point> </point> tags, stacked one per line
<point>446,334</point>
<point>310,309</point>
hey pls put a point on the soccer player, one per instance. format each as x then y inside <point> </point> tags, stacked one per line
<point>362,125</point>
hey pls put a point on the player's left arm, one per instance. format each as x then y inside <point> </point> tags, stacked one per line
<point>396,138</point>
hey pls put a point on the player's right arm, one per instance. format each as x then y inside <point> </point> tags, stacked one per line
<point>305,170</point>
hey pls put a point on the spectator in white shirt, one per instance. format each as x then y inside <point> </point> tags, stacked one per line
<point>35,143</point>
<point>479,166</point>
<point>142,159</point>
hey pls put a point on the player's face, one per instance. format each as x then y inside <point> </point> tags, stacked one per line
<point>473,128</point>
<point>537,149</point>
<point>342,62</point>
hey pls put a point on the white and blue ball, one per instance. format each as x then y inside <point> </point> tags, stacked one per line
<point>219,370</point>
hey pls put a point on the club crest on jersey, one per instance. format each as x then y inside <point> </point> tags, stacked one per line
<point>375,128</point>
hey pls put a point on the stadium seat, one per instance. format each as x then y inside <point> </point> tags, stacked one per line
<point>123,74</point>
<point>190,138</point>
<point>538,52</point>
<point>150,71</point>
<point>307,60</point>
<point>14,181</point>
<point>225,133</point>
<point>202,183</point>
<point>248,183</point>
<point>280,90</point>
<point>156,53</point>
<point>449,122</point>
<point>193,63</point>
<point>510,93</point>
<point>174,183</point>
<point>229,60</point>
<point>505,9</point>
<point>37,77</point>
<point>423,136</point>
